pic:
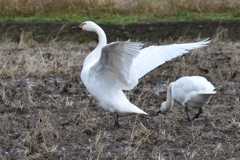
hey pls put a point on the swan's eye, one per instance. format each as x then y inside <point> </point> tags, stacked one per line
<point>81,25</point>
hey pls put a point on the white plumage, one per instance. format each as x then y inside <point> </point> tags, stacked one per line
<point>111,68</point>
<point>190,91</point>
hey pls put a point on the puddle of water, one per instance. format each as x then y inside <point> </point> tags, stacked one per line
<point>53,80</point>
<point>31,83</point>
<point>12,150</point>
<point>63,148</point>
<point>6,82</point>
<point>17,149</point>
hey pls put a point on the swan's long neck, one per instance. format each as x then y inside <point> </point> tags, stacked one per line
<point>94,56</point>
<point>102,39</point>
<point>167,105</point>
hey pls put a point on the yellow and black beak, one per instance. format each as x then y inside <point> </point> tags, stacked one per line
<point>79,26</point>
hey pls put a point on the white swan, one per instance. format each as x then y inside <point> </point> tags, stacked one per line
<point>111,68</point>
<point>192,91</point>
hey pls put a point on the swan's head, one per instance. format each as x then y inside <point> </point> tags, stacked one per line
<point>164,108</point>
<point>87,26</point>
<point>160,110</point>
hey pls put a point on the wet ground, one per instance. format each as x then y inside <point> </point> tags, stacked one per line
<point>46,112</point>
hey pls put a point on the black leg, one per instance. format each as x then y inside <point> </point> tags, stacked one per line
<point>197,115</point>
<point>159,111</point>
<point>186,110</point>
<point>116,124</point>
<point>90,102</point>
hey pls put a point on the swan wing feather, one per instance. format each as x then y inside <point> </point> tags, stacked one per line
<point>153,56</point>
<point>116,61</point>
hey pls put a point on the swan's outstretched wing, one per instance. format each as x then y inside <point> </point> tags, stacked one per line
<point>153,56</point>
<point>115,64</point>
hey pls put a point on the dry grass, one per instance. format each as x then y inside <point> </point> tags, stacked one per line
<point>45,111</point>
<point>75,8</point>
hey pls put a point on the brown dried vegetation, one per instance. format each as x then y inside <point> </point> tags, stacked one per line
<point>46,112</point>
<point>75,8</point>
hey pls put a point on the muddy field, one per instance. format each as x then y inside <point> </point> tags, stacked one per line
<point>46,112</point>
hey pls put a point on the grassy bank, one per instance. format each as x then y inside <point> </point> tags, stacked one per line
<point>118,11</point>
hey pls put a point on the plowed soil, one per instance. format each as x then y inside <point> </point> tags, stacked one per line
<point>46,112</point>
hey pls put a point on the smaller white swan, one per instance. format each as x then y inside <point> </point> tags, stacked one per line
<point>192,91</point>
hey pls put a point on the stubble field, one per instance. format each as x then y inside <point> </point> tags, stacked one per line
<point>46,112</point>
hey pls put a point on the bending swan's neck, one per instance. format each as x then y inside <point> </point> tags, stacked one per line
<point>167,105</point>
<point>102,39</point>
